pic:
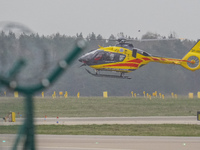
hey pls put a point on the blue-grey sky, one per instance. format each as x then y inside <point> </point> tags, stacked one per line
<point>106,17</point>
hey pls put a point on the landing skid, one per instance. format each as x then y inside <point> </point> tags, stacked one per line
<point>108,76</point>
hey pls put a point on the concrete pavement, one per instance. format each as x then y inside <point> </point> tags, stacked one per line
<point>85,142</point>
<point>111,120</point>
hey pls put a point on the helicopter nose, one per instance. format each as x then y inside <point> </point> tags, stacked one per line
<point>82,59</point>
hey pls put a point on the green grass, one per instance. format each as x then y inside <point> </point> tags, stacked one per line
<point>124,130</point>
<point>103,107</point>
<point>106,107</point>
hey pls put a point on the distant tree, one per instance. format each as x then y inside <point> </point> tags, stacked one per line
<point>99,37</point>
<point>11,35</point>
<point>79,36</point>
<point>112,37</point>
<point>91,36</point>
<point>121,34</point>
<point>150,35</point>
<point>172,35</point>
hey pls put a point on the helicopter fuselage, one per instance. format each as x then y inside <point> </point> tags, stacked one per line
<point>124,58</point>
<point>114,59</point>
<point>120,59</point>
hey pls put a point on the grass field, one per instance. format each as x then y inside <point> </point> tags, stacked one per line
<point>106,107</point>
<point>124,130</point>
<point>103,107</point>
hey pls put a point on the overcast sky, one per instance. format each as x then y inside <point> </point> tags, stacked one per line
<point>106,17</point>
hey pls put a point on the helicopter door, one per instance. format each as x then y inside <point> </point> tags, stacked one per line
<point>134,53</point>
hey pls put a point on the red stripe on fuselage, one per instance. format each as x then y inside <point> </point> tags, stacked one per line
<point>123,65</point>
<point>136,60</point>
<point>156,59</point>
<point>146,59</point>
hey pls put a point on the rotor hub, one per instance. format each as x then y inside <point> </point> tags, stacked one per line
<point>193,61</point>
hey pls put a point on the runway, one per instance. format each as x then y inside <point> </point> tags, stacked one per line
<point>84,142</point>
<point>110,120</point>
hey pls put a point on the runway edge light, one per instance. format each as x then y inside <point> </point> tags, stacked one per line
<point>191,95</point>
<point>198,94</point>
<point>16,95</point>
<point>105,94</point>
<point>13,116</point>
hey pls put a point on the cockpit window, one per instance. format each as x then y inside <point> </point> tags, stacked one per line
<point>103,56</point>
<point>121,57</point>
<point>142,52</point>
<point>99,56</point>
<point>112,55</point>
<point>89,55</point>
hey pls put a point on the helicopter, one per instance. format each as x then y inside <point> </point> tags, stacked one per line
<point>125,58</point>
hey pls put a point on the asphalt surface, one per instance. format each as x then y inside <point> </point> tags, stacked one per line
<point>111,120</point>
<point>84,142</point>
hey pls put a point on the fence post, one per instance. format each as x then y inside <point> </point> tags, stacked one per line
<point>27,129</point>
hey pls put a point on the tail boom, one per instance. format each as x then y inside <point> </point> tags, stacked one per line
<point>190,61</point>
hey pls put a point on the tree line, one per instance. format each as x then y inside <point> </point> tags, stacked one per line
<point>42,54</point>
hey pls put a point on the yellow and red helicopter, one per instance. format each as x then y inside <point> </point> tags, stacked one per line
<point>124,58</point>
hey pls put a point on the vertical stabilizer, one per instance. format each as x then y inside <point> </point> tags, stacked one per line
<point>191,59</point>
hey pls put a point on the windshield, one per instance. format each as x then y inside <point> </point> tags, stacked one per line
<point>142,52</point>
<point>104,57</point>
<point>101,57</point>
<point>90,54</point>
